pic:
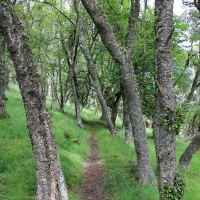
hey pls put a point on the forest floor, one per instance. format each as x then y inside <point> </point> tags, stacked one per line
<point>92,187</point>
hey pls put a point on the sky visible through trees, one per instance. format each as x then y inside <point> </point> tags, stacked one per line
<point>178,6</point>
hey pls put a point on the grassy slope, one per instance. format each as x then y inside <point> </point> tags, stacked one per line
<point>17,173</point>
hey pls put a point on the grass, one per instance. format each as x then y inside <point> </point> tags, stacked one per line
<point>119,160</point>
<point>17,172</point>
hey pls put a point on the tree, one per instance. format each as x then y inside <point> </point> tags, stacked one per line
<point>143,61</point>
<point>93,72</point>
<point>165,113</point>
<point>112,95</point>
<point>122,56</point>
<point>71,60</point>
<point>50,178</point>
<point>190,151</point>
<point>126,120</point>
<point>2,76</point>
<point>194,145</point>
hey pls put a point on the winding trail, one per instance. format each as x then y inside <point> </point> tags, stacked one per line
<point>91,188</point>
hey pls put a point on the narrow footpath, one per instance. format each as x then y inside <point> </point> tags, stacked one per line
<point>91,188</point>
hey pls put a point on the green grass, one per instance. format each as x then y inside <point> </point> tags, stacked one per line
<point>192,177</point>
<point>119,160</point>
<point>17,172</point>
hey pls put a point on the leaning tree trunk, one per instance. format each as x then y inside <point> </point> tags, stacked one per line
<point>123,58</point>
<point>94,74</point>
<point>50,178</point>
<point>2,76</point>
<point>164,114</point>
<point>188,154</point>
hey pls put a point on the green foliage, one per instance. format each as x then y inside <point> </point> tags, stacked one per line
<point>118,15</point>
<point>143,61</point>
<point>176,192</point>
<point>175,117</point>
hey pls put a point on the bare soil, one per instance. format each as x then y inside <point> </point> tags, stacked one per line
<point>91,188</point>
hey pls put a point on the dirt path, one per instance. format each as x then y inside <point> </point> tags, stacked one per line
<point>91,188</point>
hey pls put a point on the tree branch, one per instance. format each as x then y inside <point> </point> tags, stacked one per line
<point>134,14</point>
<point>57,9</point>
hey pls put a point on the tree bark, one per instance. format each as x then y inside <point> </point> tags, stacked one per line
<point>164,94</point>
<point>123,58</point>
<point>50,179</point>
<point>75,94</point>
<point>103,114</point>
<point>188,154</point>
<point>127,126</point>
<point>2,76</point>
<point>61,89</point>
<point>113,102</point>
<point>53,90</point>
<point>94,74</point>
<point>114,112</point>
<point>195,85</point>
<point>126,119</point>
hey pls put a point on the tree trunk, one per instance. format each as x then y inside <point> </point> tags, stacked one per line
<point>195,85</point>
<point>53,89</point>
<point>2,76</point>
<point>126,120</point>
<point>190,151</point>
<point>50,179</point>
<point>61,89</point>
<point>7,72</point>
<point>114,112</point>
<point>94,74</point>
<point>71,60</point>
<point>114,101</point>
<point>103,114</point>
<point>123,58</point>
<point>75,94</point>
<point>188,154</point>
<point>165,98</point>
<point>127,127</point>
